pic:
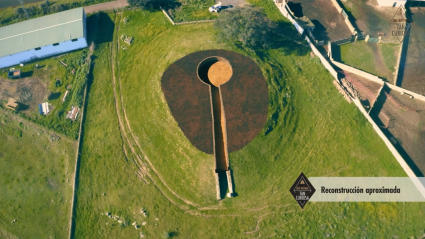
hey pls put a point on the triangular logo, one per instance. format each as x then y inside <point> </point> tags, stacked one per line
<point>302,190</point>
<point>400,24</point>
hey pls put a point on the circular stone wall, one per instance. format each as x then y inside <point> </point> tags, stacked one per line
<point>244,96</point>
<point>215,70</point>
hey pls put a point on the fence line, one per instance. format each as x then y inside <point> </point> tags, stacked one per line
<point>168,16</point>
<point>200,21</point>
<point>77,157</point>
<point>343,41</point>
<point>182,23</point>
<point>389,41</point>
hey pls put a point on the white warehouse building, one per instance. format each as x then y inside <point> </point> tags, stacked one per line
<point>42,37</point>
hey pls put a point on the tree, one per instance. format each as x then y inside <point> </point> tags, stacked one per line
<point>248,26</point>
<point>45,6</point>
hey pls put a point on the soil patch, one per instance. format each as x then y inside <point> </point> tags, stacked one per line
<point>384,72</point>
<point>329,24</point>
<point>403,121</point>
<point>244,99</point>
<point>29,92</point>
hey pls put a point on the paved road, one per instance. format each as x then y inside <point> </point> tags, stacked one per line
<point>106,6</point>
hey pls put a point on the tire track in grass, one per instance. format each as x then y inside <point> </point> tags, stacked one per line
<point>141,165</point>
<point>121,126</point>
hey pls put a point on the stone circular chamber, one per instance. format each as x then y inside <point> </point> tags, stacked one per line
<point>244,97</point>
<point>215,70</point>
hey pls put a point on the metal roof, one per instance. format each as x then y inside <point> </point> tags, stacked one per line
<point>42,31</point>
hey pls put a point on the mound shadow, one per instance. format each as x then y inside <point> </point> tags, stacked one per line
<point>244,99</point>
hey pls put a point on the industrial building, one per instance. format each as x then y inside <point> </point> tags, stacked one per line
<point>42,37</point>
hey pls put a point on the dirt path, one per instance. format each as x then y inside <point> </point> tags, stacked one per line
<point>106,6</point>
<point>143,168</point>
<point>384,72</point>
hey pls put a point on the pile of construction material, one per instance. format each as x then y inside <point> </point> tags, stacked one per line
<point>127,39</point>
<point>349,88</point>
<point>144,212</point>
<point>125,21</point>
<point>73,113</point>
<point>54,137</point>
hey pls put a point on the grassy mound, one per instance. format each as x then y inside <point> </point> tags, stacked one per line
<point>310,128</point>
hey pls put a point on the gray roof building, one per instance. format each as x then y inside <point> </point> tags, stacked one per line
<point>42,31</point>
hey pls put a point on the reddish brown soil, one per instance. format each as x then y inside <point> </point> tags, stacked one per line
<point>244,96</point>
<point>329,24</point>
<point>29,92</point>
<point>219,73</point>
<point>405,118</point>
<point>367,89</point>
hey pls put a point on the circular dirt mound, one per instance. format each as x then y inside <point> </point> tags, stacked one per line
<point>215,70</point>
<point>245,98</point>
<point>219,73</point>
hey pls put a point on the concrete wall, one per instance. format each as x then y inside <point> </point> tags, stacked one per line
<point>358,72</point>
<point>408,92</point>
<point>350,26</point>
<point>45,51</point>
<point>338,8</point>
<point>325,62</point>
<point>283,8</point>
<point>347,21</point>
<point>182,23</point>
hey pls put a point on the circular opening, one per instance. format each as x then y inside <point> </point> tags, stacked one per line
<point>215,70</point>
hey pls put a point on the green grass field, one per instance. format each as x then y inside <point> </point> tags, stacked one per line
<point>192,10</point>
<point>35,180</point>
<point>313,129</point>
<point>390,53</point>
<point>377,59</point>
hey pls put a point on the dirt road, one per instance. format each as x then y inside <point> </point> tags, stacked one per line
<point>106,6</point>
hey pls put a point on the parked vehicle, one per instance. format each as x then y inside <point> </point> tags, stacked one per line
<point>14,74</point>
<point>215,8</point>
